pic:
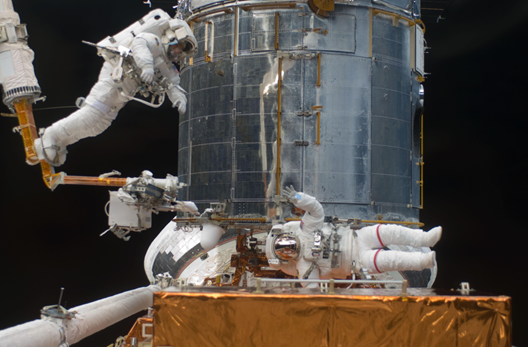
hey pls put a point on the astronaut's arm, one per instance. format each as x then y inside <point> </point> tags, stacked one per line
<point>314,217</point>
<point>143,58</point>
<point>177,97</point>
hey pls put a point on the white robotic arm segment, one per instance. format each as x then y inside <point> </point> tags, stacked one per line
<point>187,206</point>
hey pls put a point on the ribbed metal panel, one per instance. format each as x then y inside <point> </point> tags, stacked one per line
<point>367,99</point>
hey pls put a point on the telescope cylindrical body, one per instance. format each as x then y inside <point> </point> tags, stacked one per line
<point>344,125</point>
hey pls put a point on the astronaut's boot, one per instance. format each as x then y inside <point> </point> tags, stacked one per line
<point>399,235</point>
<point>382,261</point>
<point>430,238</point>
<point>50,150</point>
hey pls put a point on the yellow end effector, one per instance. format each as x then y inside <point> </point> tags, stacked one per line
<point>27,129</point>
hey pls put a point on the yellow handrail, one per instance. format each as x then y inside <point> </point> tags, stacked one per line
<point>279,125</point>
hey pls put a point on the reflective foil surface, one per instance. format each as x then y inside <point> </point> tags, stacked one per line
<point>354,317</point>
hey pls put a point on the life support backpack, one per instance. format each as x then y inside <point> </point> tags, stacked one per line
<point>159,23</point>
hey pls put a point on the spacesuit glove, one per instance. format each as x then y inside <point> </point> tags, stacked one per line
<point>147,75</point>
<point>181,104</point>
<point>290,194</point>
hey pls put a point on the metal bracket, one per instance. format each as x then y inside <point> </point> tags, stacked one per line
<point>465,289</point>
<point>354,221</point>
<point>304,113</point>
<point>165,280</point>
<point>296,55</point>
<point>324,288</point>
<point>403,294</point>
<point>109,174</point>
<point>218,207</point>
<point>259,287</point>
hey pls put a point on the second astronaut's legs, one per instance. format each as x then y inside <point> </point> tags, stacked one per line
<point>379,236</point>
<point>378,261</point>
<point>371,239</point>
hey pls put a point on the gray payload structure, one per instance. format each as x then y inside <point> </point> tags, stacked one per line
<point>341,122</point>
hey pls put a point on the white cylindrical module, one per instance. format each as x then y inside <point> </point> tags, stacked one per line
<point>210,235</point>
<point>17,75</point>
<point>89,319</point>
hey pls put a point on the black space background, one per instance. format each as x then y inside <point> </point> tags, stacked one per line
<point>475,161</point>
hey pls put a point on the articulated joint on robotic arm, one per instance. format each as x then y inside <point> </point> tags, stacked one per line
<point>131,207</point>
<point>153,194</point>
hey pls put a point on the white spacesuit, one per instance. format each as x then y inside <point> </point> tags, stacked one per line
<point>154,44</point>
<point>312,249</point>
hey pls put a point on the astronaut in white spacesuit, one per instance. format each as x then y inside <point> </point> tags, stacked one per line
<point>158,42</point>
<point>311,249</point>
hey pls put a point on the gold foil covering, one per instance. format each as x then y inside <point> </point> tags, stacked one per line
<point>244,319</point>
<point>142,331</point>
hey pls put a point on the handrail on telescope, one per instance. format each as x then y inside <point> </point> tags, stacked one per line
<point>331,282</point>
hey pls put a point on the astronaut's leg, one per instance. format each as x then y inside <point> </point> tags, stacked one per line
<point>379,236</point>
<point>378,261</point>
<point>305,269</point>
<point>101,108</point>
<point>86,122</point>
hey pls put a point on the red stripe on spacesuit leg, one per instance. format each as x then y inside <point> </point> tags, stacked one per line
<point>379,238</point>
<point>375,256</point>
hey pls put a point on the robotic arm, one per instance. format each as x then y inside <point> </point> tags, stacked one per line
<point>131,207</point>
<point>187,206</point>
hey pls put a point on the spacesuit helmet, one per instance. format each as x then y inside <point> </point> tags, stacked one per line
<point>176,50</point>
<point>179,41</point>
<point>287,247</point>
